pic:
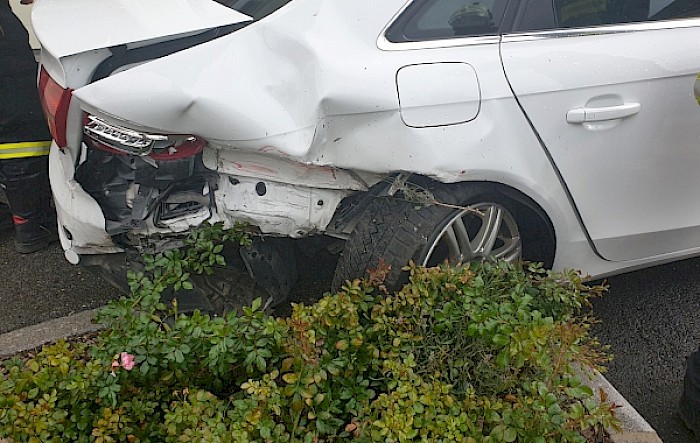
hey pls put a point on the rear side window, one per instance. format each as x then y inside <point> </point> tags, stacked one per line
<point>586,13</point>
<point>439,19</point>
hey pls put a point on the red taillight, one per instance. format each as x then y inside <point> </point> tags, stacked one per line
<point>55,100</point>
<point>124,141</point>
<point>185,149</point>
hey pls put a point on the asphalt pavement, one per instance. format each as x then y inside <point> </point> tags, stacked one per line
<point>651,320</point>
<point>38,287</point>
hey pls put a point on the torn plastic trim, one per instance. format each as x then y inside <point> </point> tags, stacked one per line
<point>185,200</point>
<point>145,194</point>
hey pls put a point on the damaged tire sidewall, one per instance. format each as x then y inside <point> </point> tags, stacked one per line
<point>394,230</point>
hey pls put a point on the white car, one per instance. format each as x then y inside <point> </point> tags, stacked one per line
<point>562,131</point>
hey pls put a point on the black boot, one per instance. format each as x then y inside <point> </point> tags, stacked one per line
<point>33,235</point>
<point>28,192</point>
<point>689,407</point>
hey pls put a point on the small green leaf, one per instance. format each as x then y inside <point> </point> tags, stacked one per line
<point>290,377</point>
<point>501,340</point>
<point>510,435</point>
<point>260,363</point>
<point>503,358</point>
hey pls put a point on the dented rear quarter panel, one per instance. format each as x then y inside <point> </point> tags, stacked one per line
<point>309,84</point>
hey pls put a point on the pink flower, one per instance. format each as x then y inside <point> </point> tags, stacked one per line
<point>128,361</point>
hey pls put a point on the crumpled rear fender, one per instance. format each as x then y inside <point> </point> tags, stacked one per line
<point>279,76</point>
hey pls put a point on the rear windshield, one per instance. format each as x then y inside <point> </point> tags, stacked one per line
<point>254,8</point>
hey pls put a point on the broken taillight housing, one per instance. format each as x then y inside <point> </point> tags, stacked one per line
<point>54,100</point>
<point>120,140</point>
<point>142,178</point>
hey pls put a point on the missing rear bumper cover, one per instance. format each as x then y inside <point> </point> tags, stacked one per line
<point>133,192</point>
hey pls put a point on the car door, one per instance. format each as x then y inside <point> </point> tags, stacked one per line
<point>608,85</point>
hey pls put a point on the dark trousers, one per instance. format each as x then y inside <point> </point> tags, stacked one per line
<point>27,188</point>
<point>21,117</point>
<point>690,399</point>
<point>24,175</point>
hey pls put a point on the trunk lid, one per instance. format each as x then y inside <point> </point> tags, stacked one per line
<point>69,27</point>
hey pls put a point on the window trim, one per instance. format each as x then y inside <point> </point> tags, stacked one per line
<point>618,28</point>
<point>508,34</point>
<point>517,27</point>
<point>385,45</point>
<point>407,12</point>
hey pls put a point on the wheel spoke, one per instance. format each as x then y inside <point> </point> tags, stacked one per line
<point>462,237</point>
<point>511,250</point>
<point>488,233</point>
<point>450,238</point>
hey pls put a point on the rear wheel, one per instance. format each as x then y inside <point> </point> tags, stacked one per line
<point>484,230</point>
<point>487,224</point>
<point>229,289</point>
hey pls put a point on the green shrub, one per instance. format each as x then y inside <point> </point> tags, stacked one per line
<point>482,353</point>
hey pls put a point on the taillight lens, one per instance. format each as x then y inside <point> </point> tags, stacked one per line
<point>120,140</point>
<point>54,100</point>
<point>182,149</point>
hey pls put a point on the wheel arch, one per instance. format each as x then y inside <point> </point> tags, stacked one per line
<point>540,240</point>
<point>537,229</point>
<point>539,236</point>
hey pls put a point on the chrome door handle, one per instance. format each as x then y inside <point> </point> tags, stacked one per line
<point>580,115</point>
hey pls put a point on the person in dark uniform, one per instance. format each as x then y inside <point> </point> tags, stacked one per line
<point>689,407</point>
<point>24,139</point>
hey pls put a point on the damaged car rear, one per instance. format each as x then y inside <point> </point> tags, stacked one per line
<point>384,131</point>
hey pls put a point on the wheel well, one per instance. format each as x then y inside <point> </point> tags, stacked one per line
<point>539,238</point>
<point>537,230</point>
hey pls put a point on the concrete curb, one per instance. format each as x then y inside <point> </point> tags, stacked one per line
<point>635,428</point>
<point>32,337</point>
